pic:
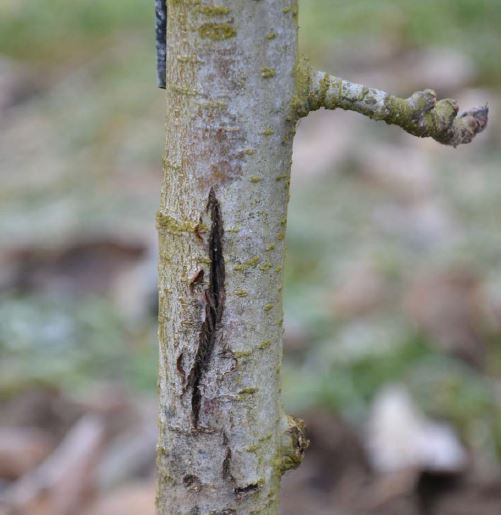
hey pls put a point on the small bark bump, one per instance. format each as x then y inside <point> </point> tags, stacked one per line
<point>294,444</point>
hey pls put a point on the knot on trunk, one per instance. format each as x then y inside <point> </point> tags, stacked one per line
<point>294,443</point>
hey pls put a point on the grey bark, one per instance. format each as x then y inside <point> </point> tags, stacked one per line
<point>224,438</point>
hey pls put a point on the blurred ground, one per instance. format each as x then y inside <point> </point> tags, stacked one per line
<point>393,283</point>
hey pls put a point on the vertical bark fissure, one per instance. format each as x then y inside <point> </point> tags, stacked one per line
<point>214,306</point>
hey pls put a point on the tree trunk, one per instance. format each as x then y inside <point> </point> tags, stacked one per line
<point>224,439</point>
<point>234,91</point>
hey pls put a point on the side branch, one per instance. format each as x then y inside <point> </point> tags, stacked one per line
<point>420,114</point>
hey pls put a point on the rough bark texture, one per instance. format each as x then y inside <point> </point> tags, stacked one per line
<point>224,439</point>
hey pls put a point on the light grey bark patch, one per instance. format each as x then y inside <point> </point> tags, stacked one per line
<point>214,297</point>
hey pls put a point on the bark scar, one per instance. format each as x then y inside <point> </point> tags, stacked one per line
<point>180,367</point>
<point>197,279</point>
<point>226,472</point>
<point>214,297</point>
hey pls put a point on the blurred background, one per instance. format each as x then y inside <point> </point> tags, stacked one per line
<point>393,277</point>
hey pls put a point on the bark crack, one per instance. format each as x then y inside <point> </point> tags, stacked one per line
<point>226,472</point>
<point>242,491</point>
<point>214,297</point>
